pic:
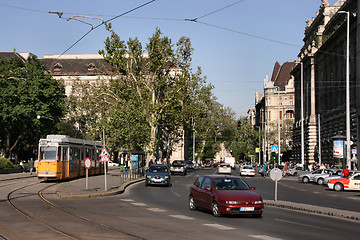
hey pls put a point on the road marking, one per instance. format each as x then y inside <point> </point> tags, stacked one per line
<point>156,210</point>
<point>183,217</point>
<point>301,224</point>
<point>138,204</point>
<point>218,226</point>
<point>264,237</point>
<point>316,192</point>
<point>127,200</point>
<point>353,198</point>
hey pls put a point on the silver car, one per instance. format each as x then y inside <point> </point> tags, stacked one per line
<point>309,177</point>
<point>319,179</point>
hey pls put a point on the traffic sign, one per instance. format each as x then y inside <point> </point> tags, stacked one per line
<point>87,163</point>
<point>104,152</point>
<point>275,174</point>
<point>274,148</point>
<point>105,159</point>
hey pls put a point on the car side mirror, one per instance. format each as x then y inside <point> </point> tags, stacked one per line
<point>207,188</point>
<point>252,188</point>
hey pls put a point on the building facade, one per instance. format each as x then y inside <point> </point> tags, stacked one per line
<point>322,67</point>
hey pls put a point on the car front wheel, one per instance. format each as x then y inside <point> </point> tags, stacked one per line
<point>215,209</point>
<point>192,204</point>
<point>320,181</point>
<point>305,180</point>
<point>338,187</point>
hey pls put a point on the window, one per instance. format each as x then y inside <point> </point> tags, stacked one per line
<point>199,181</point>
<point>58,67</point>
<point>206,183</point>
<point>91,67</point>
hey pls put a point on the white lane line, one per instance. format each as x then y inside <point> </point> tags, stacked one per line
<point>316,192</point>
<point>264,237</point>
<point>127,200</point>
<point>156,210</point>
<point>301,224</point>
<point>218,226</point>
<point>138,204</point>
<point>183,217</point>
<point>353,198</point>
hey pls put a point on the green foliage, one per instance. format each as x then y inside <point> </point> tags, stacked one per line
<point>5,163</point>
<point>248,140</point>
<point>27,91</point>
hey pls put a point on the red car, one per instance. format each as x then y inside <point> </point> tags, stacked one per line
<point>350,183</point>
<point>225,195</point>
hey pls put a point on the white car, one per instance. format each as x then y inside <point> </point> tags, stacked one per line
<point>224,168</point>
<point>348,183</point>
<point>247,171</point>
<point>112,164</point>
<point>338,175</point>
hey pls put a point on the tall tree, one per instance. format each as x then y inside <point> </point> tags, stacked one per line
<point>31,103</point>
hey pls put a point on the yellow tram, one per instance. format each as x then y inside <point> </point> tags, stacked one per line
<point>61,157</point>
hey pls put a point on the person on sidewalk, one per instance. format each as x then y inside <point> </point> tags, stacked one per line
<point>345,172</point>
<point>31,165</point>
<point>22,166</point>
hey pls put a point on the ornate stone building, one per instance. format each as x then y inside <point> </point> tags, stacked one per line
<point>323,58</point>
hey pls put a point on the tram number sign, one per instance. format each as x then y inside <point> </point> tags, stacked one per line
<point>87,163</point>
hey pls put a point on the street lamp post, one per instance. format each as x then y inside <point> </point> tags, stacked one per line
<point>348,154</point>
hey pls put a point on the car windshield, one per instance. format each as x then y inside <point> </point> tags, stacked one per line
<point>156,169</point>
<point>224,165</point>
<point>247,167</point>
<point>230,184</point>
<point>177,163</point>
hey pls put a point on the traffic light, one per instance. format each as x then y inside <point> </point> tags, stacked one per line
<point>237,140</point>
<point>239,125</point>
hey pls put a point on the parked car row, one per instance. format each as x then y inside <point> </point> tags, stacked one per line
<point>333,178</point>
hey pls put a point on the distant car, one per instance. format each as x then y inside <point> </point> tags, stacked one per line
<point>247,171</point>
<point>190,165</point>
<point>224,168</point>
<point>319,179</point>
<point>349,183</point>
<point>158,174</point>
<point>225,195</point>
<point>309,177</point>
<point>112,164</point>
<point>208,163</point>
<point>178,166</point>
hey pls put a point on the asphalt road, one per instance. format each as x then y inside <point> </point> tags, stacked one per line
<point>162,213</point>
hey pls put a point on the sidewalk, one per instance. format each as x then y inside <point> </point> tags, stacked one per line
<point>116,184</point>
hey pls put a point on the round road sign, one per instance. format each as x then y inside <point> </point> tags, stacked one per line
<point>276,174</point>
<point>87,163</point>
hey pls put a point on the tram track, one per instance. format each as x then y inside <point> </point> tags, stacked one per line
<point>49,226</point>
<point>31,216</point>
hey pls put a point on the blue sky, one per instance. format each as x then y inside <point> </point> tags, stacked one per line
<point>236,47</point>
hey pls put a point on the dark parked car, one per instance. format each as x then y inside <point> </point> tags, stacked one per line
<point>178,166</point>
<point>190,165</point>
<point>158,174</point>
<point>225,195</point>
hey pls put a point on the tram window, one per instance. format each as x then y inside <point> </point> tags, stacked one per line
<point>48,153</point>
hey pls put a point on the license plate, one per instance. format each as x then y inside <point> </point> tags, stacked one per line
<point>247,209</point>
<point>157,180</point>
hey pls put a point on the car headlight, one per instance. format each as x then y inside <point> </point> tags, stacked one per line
<point>258,202</point>
<point>182,168</point>
<point>171,168</point>
<point>148,177</point>
<point>166,177</point>
<point>232,202</point>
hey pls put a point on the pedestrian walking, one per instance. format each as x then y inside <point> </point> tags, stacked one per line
<point>31,165</point>
<point>22,166</point>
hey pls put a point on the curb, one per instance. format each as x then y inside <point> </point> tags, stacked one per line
<point>120,190</point>
<point>355,216</point>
